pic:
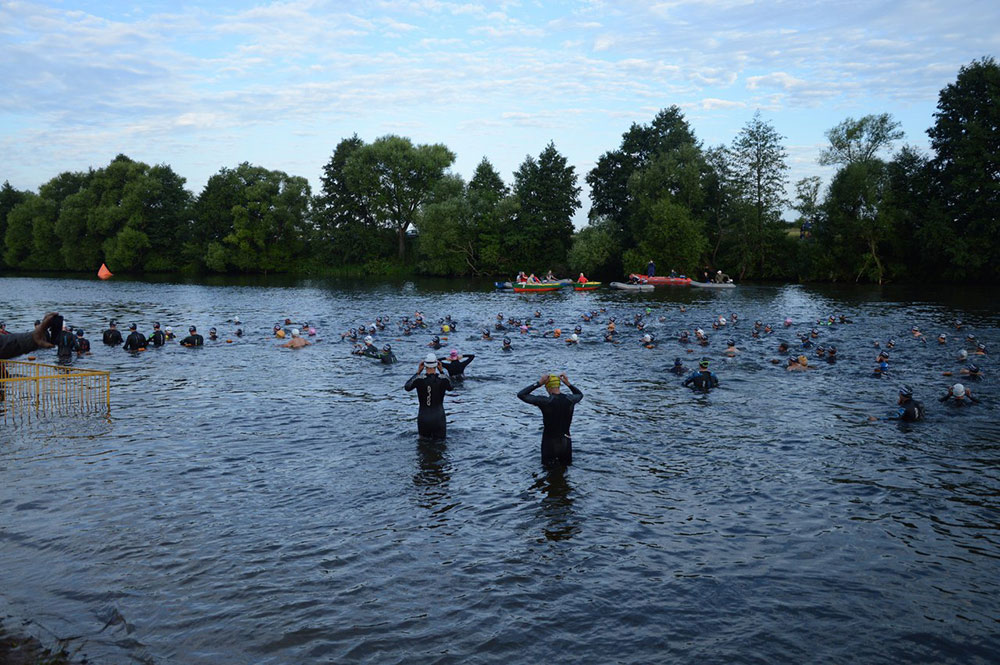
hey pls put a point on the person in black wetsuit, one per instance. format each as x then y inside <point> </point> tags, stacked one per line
<point>82,343</point>
<point>158,338</point>
<point>703,380</point>
<point>910,410</point>
<point>456,364</point>
<point>370,350</point>
<point>66,344</point>
<point>135,341</point>
<point>557,416</point>
<point>387,356</point>
<point>435,342</point>
<point>678,367</point>
<point>431,421</point>
<point>111,336</point>
<point>959,395</point>
<point>506,345</point>
<point>193,338</point>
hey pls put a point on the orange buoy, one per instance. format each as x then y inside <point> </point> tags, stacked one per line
<point>104,273</point>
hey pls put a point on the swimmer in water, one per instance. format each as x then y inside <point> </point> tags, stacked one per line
<point>703,380</point>
<point>213,334</point>
<point>135,341</point>
<point>678,368</point>
<point>387,356</point>
<point>435,342</point>
<point>910,410</point>
<point>557,416</point>
<point>158,338</point>
<point>799,364</point>
<point>647,341</point>
<point>486,334</point>
<point>731,349</point>
<point>369,350</point>
<point>506,345</point>
<point>169,334</point>
<point>297,341</point>
<point>82,344</point>
<point>958,395</point>
<point>279,332</point>
<point>431,420</point>
<point>881,370</point>
<point>573,339</point>
<point>193,338</point>
<point>831,355</point>
<point>111,336</point>
<point>456,364</point>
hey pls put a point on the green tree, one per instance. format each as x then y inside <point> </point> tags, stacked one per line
<point>966,141</point>
<point>393,178</point>
<point>9,197</point>
<point>856,141</point>
<point>596,249</point>
<point>856,226</point>
<point>447,242</point>
<point>760,173</point>
<point>547,196</point>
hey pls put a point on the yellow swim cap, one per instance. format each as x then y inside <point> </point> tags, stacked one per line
<point>445,328</point>
<point>803,360</point>
<point>553,381</point>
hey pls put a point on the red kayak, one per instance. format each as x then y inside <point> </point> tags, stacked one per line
<point>659,280</point>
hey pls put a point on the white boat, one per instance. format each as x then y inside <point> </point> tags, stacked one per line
<point>622,286</point>
<point>712,285</point>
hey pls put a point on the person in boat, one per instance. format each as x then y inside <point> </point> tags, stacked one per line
<point>431,388</point>
<point>521,278</point>
<point>456,364</point>
<point>532,279</point>
<point>958,395</point>
<point>111,336</point>
<point>297,341</point>
<point>551,277</point>
<point>158,338</point>
<point>193,338</point>
<point>135,341</point>
<point>721,277</point>
<point>703,380</point>
<point>581,279</point>
<point>650,268</point>
<point>673,273</point>
<point>557,416</point>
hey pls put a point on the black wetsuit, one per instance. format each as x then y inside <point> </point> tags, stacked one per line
<point>557,416</point>
<point>82,345</point>
<point>456,368</point>
<point>158,338</point>
<point>66,343</point>
<point>431,421</point>
<point>702,381</point>
<point>387,357</point>
<point>677,369</point>
<point>135,341</point>
<point>968,400</point>
<point>194,339</point>
<point>371,351</point>
<point>112,337</point>
<point>910,411</point>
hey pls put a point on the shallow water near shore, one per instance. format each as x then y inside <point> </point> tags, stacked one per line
<point>249,504</point>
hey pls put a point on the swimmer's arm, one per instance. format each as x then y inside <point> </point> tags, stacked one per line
<point>525,394</point>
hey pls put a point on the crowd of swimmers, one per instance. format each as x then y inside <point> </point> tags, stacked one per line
<point>437,373</point>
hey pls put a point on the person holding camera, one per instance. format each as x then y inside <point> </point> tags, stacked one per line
<point>16,344</point>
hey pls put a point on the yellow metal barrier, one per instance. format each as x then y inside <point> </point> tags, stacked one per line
<point>36,390</point>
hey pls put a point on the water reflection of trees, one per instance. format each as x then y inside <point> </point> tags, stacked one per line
<point>556,507</point>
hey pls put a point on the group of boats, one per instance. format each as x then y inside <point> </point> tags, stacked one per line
<point>636,282</point>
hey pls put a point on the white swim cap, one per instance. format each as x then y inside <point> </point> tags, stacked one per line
<point>430,359</point>
<point>574,337</point>
<point>368,338</point>
<point>958,390</point>
<point>295,332</point>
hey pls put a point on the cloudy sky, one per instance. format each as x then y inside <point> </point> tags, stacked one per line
<point>203,85</point>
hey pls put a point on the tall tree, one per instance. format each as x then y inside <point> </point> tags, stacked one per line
<point>856,226</point>
<point>966,141</point>
<point>394,178</point>
<point>547,196</point>
<point>856,141</point>
<point>9,197</point>
<point>760,173</point>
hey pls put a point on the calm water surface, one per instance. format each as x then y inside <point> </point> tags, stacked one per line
<point>249,504</point>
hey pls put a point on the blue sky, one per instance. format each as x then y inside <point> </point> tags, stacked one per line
<point>205,85</point>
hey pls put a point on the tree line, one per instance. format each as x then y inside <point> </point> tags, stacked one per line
<point>391,206</point>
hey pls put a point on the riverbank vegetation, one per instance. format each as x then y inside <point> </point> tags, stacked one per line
<point>391,207</point>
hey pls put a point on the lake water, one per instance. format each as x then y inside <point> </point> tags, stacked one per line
<point>249,504</point>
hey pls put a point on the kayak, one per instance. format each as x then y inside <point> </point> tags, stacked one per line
<point>586,286</point>
<point>661,280</point>
<point>621,286</point>
<point>503,285</point>
<point>537,288</point>
<point>713,285</point>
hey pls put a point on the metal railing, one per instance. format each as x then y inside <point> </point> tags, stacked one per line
<point>35,390</point>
